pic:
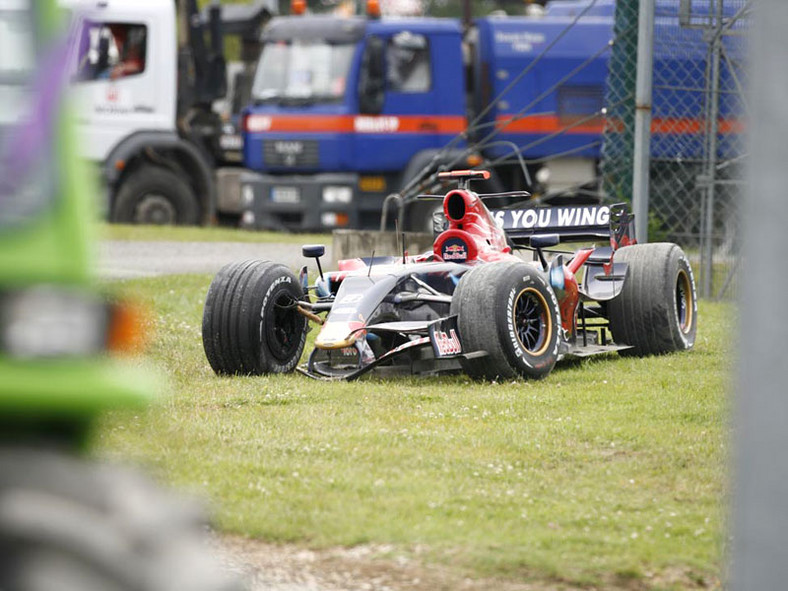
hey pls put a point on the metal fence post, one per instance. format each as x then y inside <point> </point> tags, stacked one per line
<point>760,516</point>
<point>712,129</point>
<point>643,87</point>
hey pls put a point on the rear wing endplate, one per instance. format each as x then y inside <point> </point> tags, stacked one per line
<point>581,223</point>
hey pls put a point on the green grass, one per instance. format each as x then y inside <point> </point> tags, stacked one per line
<point>192,233</point>
<point>610,472</point>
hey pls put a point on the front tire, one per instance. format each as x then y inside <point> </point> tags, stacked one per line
<point>70,525</point>
<point>250,323</point>
<point>155,195</point>
<point>508,310</point>
<point>657,309</point>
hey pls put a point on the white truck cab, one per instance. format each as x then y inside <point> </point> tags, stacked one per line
<point>118,85</point>
<point>144,94</point>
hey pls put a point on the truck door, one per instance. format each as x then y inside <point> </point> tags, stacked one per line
<point>421,104</point>
<point>116,82</point>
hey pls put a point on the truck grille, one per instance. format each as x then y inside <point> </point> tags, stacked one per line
<point>291,153</point>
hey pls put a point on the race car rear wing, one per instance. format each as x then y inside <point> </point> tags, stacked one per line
<point>581,223</point>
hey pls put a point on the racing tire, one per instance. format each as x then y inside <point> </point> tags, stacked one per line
<point>71,525</point>
<point>657,309</point>
<point>250,325</point>
<point>155,195</point>
<point>509,311</point>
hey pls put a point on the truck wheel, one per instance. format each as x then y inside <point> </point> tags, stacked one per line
<point>70,525</point>
<point>657,309</point>
<point>250,324</point>
<point>155,195</point>
<point>508,310</point>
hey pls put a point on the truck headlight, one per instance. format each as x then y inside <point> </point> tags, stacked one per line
<point>333,194</point>
<point>247,196</point>
<point>54,321</point>
<point>331,219</point>
<point>248,219</point>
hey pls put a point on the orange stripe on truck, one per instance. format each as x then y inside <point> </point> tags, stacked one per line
<point>546,124</point>
<point>454,124</point>
<point>451,124</point>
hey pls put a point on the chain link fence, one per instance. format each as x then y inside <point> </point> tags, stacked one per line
<point>618,145</point>
<point>697,144</point>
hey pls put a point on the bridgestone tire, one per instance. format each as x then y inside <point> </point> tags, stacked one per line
<point>155,195</point>
<point>250,325</point>
<point>508,310</point>
<point>656,311</point>
<point>68,525</point>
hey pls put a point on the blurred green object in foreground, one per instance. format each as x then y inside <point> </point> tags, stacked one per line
<point>67,523</point>
<point>58,336</point>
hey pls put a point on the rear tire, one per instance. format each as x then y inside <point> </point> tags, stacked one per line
<point>155,195</point>
<point>71,525</point>
<point>250,325</point>
<point>657,309</point>
<point>508,310</point>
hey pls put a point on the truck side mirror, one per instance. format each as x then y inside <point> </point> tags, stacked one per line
<point>102,63</point>
<point>371,83</point>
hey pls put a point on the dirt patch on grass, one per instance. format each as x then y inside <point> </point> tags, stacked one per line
<point>274,567</point>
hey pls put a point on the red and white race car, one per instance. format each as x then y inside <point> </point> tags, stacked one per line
<point>469,304</point>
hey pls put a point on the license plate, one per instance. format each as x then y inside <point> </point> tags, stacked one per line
<point>231,142</point>
<point>285,194</point>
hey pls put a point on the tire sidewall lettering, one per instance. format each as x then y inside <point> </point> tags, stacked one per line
<point>520,355</point>
<point>278,285</point>
<point>687,339</point>
<point>517,349</point>
<point>273,287</point>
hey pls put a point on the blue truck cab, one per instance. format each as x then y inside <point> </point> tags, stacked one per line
<point>341,106</point>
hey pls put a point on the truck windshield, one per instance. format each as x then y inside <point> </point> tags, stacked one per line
<point>17,58</point>
<point>26,179</point>
<point>302,71</point>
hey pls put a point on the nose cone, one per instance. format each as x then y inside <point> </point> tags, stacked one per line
<point>338,335</point>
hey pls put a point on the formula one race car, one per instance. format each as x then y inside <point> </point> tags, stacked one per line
<point>470,304</point>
